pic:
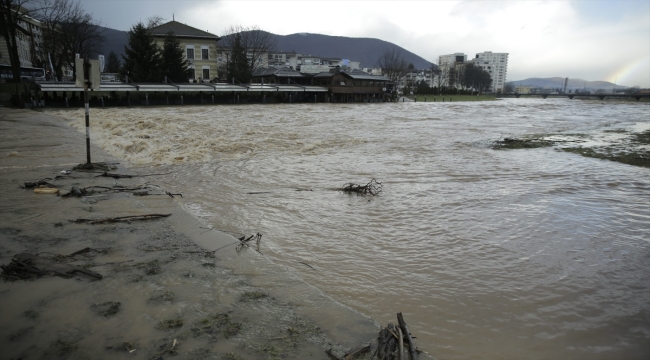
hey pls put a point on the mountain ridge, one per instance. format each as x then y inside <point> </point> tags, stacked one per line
<point>558,82</point>
<point>365,50</point>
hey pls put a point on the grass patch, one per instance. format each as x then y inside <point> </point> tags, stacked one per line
<point>166,296</point>
<point>170,324</point>
<point>642,138</point>
<point>31,314</point>
<point>512,143</point>
<point>106,309</point>
<point>231,356</point>
<point>150,268</point>
<point>636,158</point>
<point>215,324</point>
<point>19,334</point>
<point>124,346</point>
<point>63,348</point>
<point>252,295</point>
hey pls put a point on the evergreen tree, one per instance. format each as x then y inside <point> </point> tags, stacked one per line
<point>112,63</point>
<point>174,64</point>
<point>143,59</point>
<point>238,67</point>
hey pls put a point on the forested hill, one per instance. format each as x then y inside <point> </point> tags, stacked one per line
<point>558,83</point>
<point>365,50</point>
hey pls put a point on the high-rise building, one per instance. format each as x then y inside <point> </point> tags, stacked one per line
<point>499,66</point>
<point>447,61</point>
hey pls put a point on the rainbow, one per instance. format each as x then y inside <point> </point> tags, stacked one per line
<point>630,73</point>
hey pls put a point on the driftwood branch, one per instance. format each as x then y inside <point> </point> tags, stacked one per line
<point>243,241</point>
<point>121,219</point>
<point>371,188</point>
<point>304,263</point>
<point>409,338</point>
<point>114,176</point>
<point>357,351</point>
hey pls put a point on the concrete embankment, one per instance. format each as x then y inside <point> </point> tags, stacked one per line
<point>169,286</point>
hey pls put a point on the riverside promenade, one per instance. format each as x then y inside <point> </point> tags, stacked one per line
<point>169,286</point>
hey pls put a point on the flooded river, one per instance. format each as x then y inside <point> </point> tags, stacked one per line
<point>490,254</point>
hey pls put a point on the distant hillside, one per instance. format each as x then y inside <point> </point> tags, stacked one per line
<point>365,50</point>
<point>558,82</point>
<point>115,41</point>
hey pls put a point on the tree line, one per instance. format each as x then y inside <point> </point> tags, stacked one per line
<point>465,77</point>
<point>68,30</point>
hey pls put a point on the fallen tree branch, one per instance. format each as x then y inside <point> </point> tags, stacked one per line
<point>409,338</point>
<point>120,219</point>
<point>114,176</point>
<point>372,188</point>
<point>304,263</point>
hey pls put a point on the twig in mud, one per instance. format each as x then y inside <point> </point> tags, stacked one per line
<point>304,263</point>
<point>172,195</point>
<point>156,174</point>
<point>86,250</point>
<point>225,246</point>
<point>243,241</point>
<point>114,176</point>
<point>159,249</point>
<point>121,219</point>
<point>113,263</point>
<point>258,192</point>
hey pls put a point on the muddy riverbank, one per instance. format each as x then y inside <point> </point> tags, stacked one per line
<point>170,286</point>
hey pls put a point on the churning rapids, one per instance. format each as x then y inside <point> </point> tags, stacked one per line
<point>512,254</point>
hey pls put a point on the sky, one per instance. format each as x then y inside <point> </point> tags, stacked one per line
<point>587,39</point>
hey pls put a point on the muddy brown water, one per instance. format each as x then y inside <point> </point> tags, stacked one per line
<point>493,254</point>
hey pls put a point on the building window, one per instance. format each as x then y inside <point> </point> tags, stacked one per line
<point>190,53</point>
<point>206,72</point>
<point>205,54</point>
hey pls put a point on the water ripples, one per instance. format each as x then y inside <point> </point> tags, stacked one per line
<point>492,254</point>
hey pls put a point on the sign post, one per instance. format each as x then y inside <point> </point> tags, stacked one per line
<point>88,77</point>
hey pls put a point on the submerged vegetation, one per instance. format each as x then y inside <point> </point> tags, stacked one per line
<point>512,143</point>
<point>452,98</point>
<point>632,148</point>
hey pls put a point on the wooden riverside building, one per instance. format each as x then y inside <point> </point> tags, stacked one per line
<point>342,86</point>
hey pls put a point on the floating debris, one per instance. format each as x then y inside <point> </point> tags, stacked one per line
<point>29,266</point>
<point>372,188</point>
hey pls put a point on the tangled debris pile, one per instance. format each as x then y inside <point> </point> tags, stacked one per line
<point>26,266</point>
<point>372,188</point>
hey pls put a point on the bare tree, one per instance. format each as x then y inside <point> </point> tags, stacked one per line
<point>154,21</point>
<point>256,42</point>
<point>68,30</point>
<point>443,77</point>
<point>393,65</point>
<point>12,13</point>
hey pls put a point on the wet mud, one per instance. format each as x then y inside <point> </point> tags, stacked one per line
<point>165,290</point>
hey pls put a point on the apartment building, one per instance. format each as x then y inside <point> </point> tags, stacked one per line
<point>499,64</point>
<point>447,61</point>
<point>29,38</point>
<point>200,47</point>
